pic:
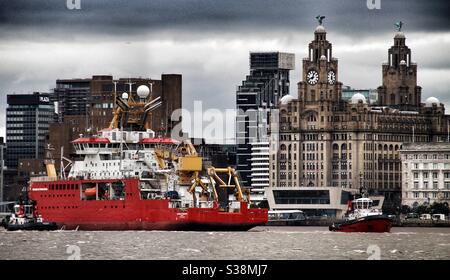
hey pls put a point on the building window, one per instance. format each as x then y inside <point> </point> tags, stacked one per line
<point>416,195</point>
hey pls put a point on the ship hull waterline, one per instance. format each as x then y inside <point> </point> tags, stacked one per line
<point>70,211</point>
<point>378,224</point>
<point>157,226</point>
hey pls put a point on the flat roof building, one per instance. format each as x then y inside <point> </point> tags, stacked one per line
<point>28,117</point>
<point>426,173</point>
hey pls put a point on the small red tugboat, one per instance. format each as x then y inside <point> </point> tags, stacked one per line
<point>363,218</point>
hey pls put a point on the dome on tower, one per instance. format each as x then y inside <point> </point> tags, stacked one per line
<point>358,98</point>
<point>402,62</point>
<point>286,99</point>
<point>320,29</point>
<point>322,57</point>
<point>432,101</point>
<point>399,35</point>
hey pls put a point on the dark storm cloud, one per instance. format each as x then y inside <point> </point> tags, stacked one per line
<point>121,17</point>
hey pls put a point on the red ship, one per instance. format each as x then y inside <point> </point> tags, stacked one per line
<point>63,202</point>
<point>363,218</point>
<point>129,179</point>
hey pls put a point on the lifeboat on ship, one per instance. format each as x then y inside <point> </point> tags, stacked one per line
<point>363,217</point>
<point>90,192</point>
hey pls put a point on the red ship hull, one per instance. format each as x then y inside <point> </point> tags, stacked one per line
<point>366,224</point>
<point>61,202</point>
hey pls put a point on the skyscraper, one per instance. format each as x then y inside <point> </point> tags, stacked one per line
<point>267,82</point>
<point>71,97</point>
<point>27,123</point>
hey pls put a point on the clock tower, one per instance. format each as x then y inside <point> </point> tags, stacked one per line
<point>400,89</point>
<point>320,71</point>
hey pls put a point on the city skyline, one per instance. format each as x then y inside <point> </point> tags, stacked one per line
<point>81,43</point>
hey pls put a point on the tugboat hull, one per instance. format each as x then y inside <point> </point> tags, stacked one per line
<point>365,224</point>
<point>31,226</point>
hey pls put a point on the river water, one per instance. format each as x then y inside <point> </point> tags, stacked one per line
<point>259,243</point>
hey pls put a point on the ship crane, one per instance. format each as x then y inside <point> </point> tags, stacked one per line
<point>216,180</point>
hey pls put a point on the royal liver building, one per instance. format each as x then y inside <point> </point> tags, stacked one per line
<point>325,143</point>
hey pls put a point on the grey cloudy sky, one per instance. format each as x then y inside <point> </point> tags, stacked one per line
<point>208,42</point>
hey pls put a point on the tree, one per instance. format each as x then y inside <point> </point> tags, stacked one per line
<point>423,209</point>
<point>405,209</point>
<point>439,208</point>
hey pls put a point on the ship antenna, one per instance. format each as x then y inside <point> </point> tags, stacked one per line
<point>115,94</point>
<point>125,96</point>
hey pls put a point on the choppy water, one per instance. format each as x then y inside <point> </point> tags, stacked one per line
<point>259,243</point>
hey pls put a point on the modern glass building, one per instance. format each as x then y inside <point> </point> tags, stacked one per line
<point>71,97</point>
<point>27,122</point>
<point>261,91</point>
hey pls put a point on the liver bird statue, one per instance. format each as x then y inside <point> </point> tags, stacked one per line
<point>399,26</point>
<point>320,19</point>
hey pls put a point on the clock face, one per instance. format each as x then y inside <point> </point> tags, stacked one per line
<point>312,77</point>
<point>331,77</point>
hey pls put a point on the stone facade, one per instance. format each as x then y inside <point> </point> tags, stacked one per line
<point>426,173</point>
<point>324,141</point>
